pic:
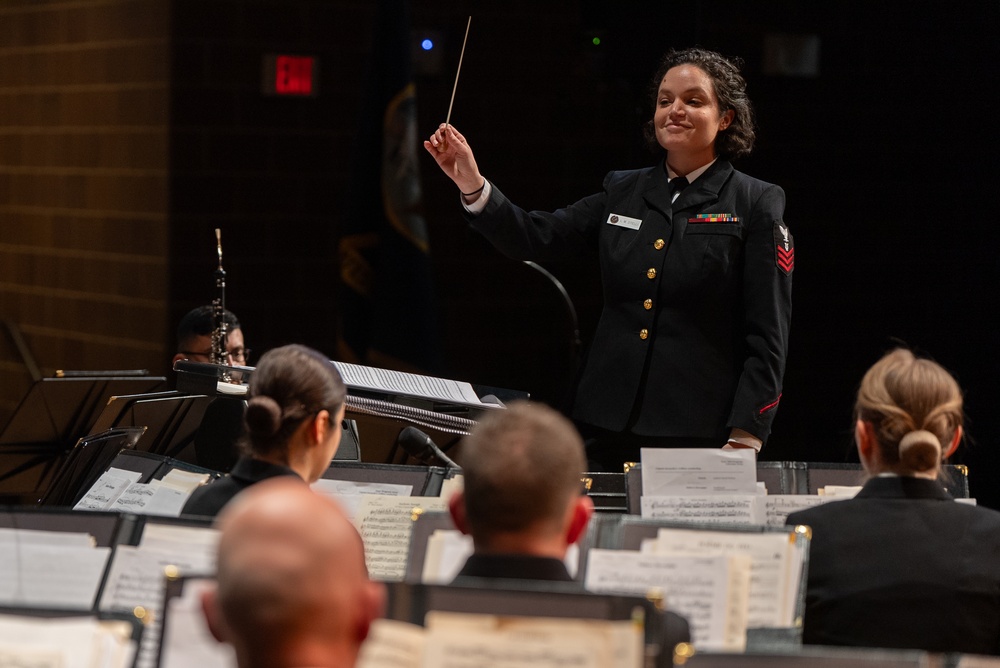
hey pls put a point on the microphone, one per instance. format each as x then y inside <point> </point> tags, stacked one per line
<point>419,445</point>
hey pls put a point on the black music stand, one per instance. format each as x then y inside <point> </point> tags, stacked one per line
<point>103,525</point>
<point>85,463</point>
<point>50,418</point>
<point>172,419</point>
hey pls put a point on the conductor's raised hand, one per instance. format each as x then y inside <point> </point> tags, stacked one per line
<point>454,156</point>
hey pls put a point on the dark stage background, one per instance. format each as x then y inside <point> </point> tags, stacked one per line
<point>886,151</point>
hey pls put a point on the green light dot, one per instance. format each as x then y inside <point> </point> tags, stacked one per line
<point>596,41</point>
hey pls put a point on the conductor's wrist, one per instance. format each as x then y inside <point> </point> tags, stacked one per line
<point>473,187</point>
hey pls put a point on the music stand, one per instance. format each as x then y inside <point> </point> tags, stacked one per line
<point>53,414</point>
<point>85,463</point>
<point>172,419</point>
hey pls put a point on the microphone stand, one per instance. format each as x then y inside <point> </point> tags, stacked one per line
<point>576,345</point>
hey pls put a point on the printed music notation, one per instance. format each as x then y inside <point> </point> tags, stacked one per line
<point>385,524</point>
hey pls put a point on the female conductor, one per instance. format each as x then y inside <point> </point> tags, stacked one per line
<point>696,265</point>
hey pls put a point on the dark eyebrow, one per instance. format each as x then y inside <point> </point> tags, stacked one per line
<point>689,91</point>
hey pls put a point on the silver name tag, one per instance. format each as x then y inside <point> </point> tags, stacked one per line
<point>624,221</point>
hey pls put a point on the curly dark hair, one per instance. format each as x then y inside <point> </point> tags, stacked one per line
<point>730,89</point>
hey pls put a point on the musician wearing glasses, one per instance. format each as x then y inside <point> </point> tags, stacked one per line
<point>194,338</point>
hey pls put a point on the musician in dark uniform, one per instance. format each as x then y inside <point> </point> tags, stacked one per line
<point>696,264</point>
<point>902,564</point>
<point>293,427</point>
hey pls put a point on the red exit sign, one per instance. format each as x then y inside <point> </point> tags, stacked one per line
<point>285,74</point>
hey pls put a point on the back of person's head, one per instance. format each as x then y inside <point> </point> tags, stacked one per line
<point>914,408</point>
<point>289,385</point>
<point>201,322</point>
<point>522,468</point>
<point>292,588</point>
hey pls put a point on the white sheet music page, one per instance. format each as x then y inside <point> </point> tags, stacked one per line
<point>151,499</point>
<point>779,506</point>
<point>446,553</point>
<point>711,592</point>
<point>771,569</point>
<point>108,487</point>
<point>706,509</point>
<point>410,384</point>
<point>348,493</point>
<point>698,471</point>
<point>42,575</point>
<point>50,643</point>
<point>136,578</point>
<point>392,644</point>
<point>471,640</point>
<point>187,642</point>
<point>385,524</point>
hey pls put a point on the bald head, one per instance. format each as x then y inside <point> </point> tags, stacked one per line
<point>292,584</point>
<point>522,468</point>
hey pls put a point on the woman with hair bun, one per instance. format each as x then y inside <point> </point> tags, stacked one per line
<point>293,425</point>
<point>902,565</point>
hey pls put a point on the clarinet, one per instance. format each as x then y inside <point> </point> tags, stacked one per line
<point>220,334</point>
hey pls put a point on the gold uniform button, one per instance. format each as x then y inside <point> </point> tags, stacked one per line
<point>643,334</point>
<point>659,244</point>
<point>648,304</point>
<point>650,273</point>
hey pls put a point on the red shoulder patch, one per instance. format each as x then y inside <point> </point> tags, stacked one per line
<point>784,248</point>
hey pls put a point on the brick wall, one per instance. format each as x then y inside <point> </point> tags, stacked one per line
<point>83,184</point>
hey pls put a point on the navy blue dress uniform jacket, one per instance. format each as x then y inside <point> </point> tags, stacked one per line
<point>209,499</point>
<point>903,565</point>
<point>704,300</point>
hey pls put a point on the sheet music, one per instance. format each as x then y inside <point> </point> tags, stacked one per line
<point>151,499</point>
<point>711,592</point>
<point>698,471</point>
<point>780,506</point>
<point>446,553</point>
<point>770,571</point>
<point>43,537</point>
<point>108,487</point>
<point>385,524</point>
<point>392,644</point>
<point>399,382</point>
<point>187,642</point>
<point>136,578</point>
<point>532,642</point>
<point>51,576</point>
<point>449,486</point>
<point>839,491</point>
<point>712,509</point>
<point>204,539</point>
<point>348,493</point>
<point>185,481</point>
<point>74,642</point>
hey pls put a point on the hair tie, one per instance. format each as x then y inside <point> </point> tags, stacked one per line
<point>919,436</point>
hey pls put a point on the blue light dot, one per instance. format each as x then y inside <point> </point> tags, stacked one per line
<point>427,45</point>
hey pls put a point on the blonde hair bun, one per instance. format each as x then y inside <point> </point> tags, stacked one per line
<point>920,450</point>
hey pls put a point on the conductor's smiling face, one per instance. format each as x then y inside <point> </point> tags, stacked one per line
<point>687,117</point>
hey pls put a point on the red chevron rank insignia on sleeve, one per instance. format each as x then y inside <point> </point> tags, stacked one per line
<point>784,248</point>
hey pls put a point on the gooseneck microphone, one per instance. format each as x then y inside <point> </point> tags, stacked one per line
<point>419,445</point>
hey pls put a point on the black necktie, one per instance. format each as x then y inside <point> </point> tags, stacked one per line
<point>677,184</point>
